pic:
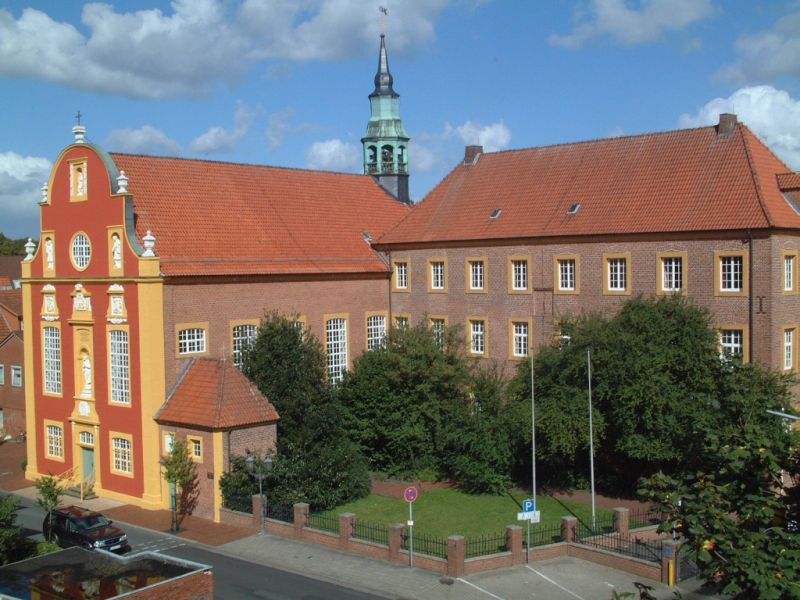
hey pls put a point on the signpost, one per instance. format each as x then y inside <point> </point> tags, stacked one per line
<point>410,494</point>
<point>531,515</point>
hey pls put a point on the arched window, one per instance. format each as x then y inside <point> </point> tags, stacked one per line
<point>372,159</point>
<point>401,159</point>
<point>387,158</point>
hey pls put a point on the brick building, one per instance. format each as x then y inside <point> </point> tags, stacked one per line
<point>12,394</point>
<point>512,242</point>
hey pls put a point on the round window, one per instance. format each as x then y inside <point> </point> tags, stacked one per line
<point>81,251</point>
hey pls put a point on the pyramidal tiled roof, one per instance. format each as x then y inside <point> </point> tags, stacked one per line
<point>214,394</point>
<point>677,181</point>
<point>216,218</point>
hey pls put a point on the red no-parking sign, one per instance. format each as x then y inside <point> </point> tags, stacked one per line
<point>410,494</point>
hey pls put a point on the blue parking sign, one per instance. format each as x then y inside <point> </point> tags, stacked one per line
<point>528,505</point>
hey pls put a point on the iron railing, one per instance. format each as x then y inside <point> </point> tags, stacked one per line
<point>645,518</point>
<point>371,532</point>
<point>482,545</point>
<point>541,536</point>
<point>324,522</point>
<point>628,545</point>
<point>280,513</point>
<point>427,544</point>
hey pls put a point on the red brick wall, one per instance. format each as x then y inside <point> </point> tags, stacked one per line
<point>772,308</point>
<point>197,586</point>
<point>616,561</point>
<point>12,398</point>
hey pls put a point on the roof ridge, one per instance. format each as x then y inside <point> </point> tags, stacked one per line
<point>238,164</point>
<point>754,175</point>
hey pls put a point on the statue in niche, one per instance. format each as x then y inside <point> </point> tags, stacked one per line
<point>86,368</point>
<point>80,189</point>
<point>116,251</point>
<point>48,252</point>
<point>80,302</point>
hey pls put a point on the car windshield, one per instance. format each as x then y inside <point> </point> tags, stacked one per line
<point>92,522</point>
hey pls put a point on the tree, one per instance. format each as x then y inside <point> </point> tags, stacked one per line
<point>399,398</point>
<point>736,509</point>
<point>49,491</point>
<point>12,247</point>
<point>181,474</point>
<point>13,545</point>
<point>316,461</point>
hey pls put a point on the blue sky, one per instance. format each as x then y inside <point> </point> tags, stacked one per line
<point>285,83</point>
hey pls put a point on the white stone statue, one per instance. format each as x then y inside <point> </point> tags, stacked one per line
<point>116,251</point>
<point>81,302</point>
<point>80,189</point>
<point>86,367</point>
<point>48,252</point>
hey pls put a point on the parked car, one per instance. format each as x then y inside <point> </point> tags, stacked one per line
<point>76,526</point>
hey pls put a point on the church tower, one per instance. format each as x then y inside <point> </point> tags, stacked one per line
<point>386,141</point>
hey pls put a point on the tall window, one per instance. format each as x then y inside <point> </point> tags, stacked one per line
<point>401,322</point>
<point>192,341</point>
<point>520,339</point>
<point>120,367</point>
<point>376,331</point>
<point>476,274</point>
<point>52,359</point>
<point>55,441</point>
<point>788,273</point>
<point>731,273</point>
<point>788,349</point>
<point>477,329</point>
<point>243,338</point>
<point>519,275</point>
<point>566,274</point>
<point>123,455</point>
<point>16,376</point>
<point>437,275</point>
<point>336,338</point>
<point>672,273</point>
<point>732,342</point>
<point>437,331</point>
<point>617,275</point>
<point>401,275</point>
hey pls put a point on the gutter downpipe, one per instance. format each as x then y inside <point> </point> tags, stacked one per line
<point>750,294</point>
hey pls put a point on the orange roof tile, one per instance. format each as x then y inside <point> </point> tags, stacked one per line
<point>676,181</point>
<point>213,394</point>
<point>215,218</point>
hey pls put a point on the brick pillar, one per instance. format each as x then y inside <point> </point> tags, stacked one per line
<point>669,562</point>
<point>622,520</point>
<point>514,543</point>
<point>347,522</point>
<point>300,518</point>
<point>568,526</point>
<point>395,540</point>
<point>256,506</point>
<point>455,555</point>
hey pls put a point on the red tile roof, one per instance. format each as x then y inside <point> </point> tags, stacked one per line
<point>11,266</point>
<point>10,312</point>
<point>214,394</point>
<point>214,218</point>
<point>677,181</point>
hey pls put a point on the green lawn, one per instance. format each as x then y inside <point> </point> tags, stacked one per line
<point>452,512</point>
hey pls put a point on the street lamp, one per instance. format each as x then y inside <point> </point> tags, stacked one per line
<point>259,468</point>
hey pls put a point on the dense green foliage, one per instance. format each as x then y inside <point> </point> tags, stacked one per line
<point>316,462</point>
<point>11,247</point>
<point>13,545</point>
<point>238,486</point>
<point>734,507</point>
<point>49,491</point>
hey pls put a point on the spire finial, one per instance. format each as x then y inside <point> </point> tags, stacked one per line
<point>78,116</point>
<point>384,13</point>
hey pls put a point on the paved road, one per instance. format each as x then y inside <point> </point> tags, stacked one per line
<point>234,578</point>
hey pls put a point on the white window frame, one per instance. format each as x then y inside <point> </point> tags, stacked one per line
<point>16,376</point>
<point>401,275</point>
<point>788,349</point>
<point>437,275</point>
<point>192,340</point>
<point>731,273</point>
<point>519,275</point>
<point>521,339</point>
<point>788,272</point>
<point>566,274</point>
<point>123,455</point>
<point>617,274</point>
<point>336,348</point>
<point>476,272</point>
<point>731,342</point>
<point>51,363</point>
<point>243,336</point>
<point>55,441</point>
<point>477,336</point>
<point>119,366</point>
<point>672,273</point>
<point>438,328</point>
<point>376,331</point>
<point>81,251</point>
<point>86,438</point>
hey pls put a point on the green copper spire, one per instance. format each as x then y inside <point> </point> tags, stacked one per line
<point>386,141</point>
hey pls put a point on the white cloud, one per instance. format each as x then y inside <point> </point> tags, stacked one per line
<point>492,137</point>
<point>772,114</point>
<point>219,139</point>
<point>616,132</point>
<point>21,179</point>
<point>280,125</point>
<point>198,43</point>
<point>767,55</point>
<point>423,159</point>
<point>333,155</point>
<point>145,140</point>
<point>647,21</point>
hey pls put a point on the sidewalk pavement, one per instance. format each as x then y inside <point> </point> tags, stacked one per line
<point>556,579</point>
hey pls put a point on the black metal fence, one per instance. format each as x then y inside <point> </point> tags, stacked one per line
<point>427,544</point>
<point>481,545</point>
<point>324,522</point>
<point>645,518</point>
<point>280,513</point>
<point>371,532</point>
<point>603,524</point>
<point>628,545</point>
<point>687,563</point>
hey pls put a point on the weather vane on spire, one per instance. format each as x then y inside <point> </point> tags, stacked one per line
<point>385,12</point>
